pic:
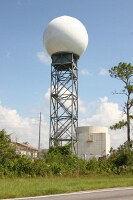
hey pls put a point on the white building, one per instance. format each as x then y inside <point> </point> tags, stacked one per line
<point>93,141</point>
<point>25,149</point>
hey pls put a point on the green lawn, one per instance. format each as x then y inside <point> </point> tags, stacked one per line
<point>21,187</point>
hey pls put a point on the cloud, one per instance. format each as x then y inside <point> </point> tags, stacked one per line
<point>107,114</point>
<point>81,106</point>
<point>44,57</point>
<point>24,129</point>
<point>85,72</point>
<point>104,72</point>
<point>47,95</point>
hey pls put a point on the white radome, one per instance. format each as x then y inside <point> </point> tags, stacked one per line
<point>65,34</point>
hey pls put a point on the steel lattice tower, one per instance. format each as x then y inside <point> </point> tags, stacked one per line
<point>64,100</point>
<point>65,39</point>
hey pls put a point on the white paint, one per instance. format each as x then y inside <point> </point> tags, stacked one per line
<point>65,34</point>
<point>93,141</point>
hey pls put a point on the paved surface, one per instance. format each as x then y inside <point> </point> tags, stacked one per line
<point>107,194</point>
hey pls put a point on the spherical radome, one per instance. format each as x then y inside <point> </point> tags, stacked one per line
<point>65,34</point>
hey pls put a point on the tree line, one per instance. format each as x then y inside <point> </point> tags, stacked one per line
<point>60,161</point>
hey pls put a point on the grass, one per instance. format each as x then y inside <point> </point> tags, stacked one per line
<point>24,187</point>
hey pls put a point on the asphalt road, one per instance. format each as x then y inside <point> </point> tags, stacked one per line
<point>106,194</point>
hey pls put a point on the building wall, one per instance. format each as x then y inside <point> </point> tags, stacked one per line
<point>25,149</point>
<point>93,141</point>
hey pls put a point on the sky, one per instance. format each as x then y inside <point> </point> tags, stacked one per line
<point>25,65</point>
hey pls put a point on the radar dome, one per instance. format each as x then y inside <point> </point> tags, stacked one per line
<point>65,34</point>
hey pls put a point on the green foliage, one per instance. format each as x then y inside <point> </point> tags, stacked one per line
<point>40,168</point>
<point>123,156</point>
<point>65,150</point>
<point>7,150</point>
<point>60,161</point>
<point>63,162</point>
<point>118,125</point>
<point>124,72</point>
<point>12,164</point>
<point>100,166</point>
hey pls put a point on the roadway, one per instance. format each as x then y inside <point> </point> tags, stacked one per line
<point>105,194</point>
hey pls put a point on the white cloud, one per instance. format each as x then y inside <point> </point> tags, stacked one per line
<point>24,129</point>
<point>85,72</point>
<point>44,57</point>
<point>104,72</point>
<point>47,95</point>
<point>81,106</point>
<point>107,114</point>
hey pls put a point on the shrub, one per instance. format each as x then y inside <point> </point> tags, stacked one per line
<point>63,162</point>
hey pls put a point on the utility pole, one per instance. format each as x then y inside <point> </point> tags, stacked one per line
<point>39,135</point>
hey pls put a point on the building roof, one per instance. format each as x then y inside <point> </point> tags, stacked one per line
<point>26,146</point>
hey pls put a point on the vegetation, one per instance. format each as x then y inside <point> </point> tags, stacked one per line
<point>59,161</point>
<point>21,187</point>
<point>124,73</point>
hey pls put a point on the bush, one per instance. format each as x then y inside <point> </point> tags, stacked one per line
<point>63,162</point>
<point>123,156</point>
<point>60,161</point>
<point>7,150</point>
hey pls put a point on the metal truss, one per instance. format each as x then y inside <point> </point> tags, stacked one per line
<point>64,100</point>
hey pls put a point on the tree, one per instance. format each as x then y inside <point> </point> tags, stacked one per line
<point>7,150</point>
<point>124,72</point>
